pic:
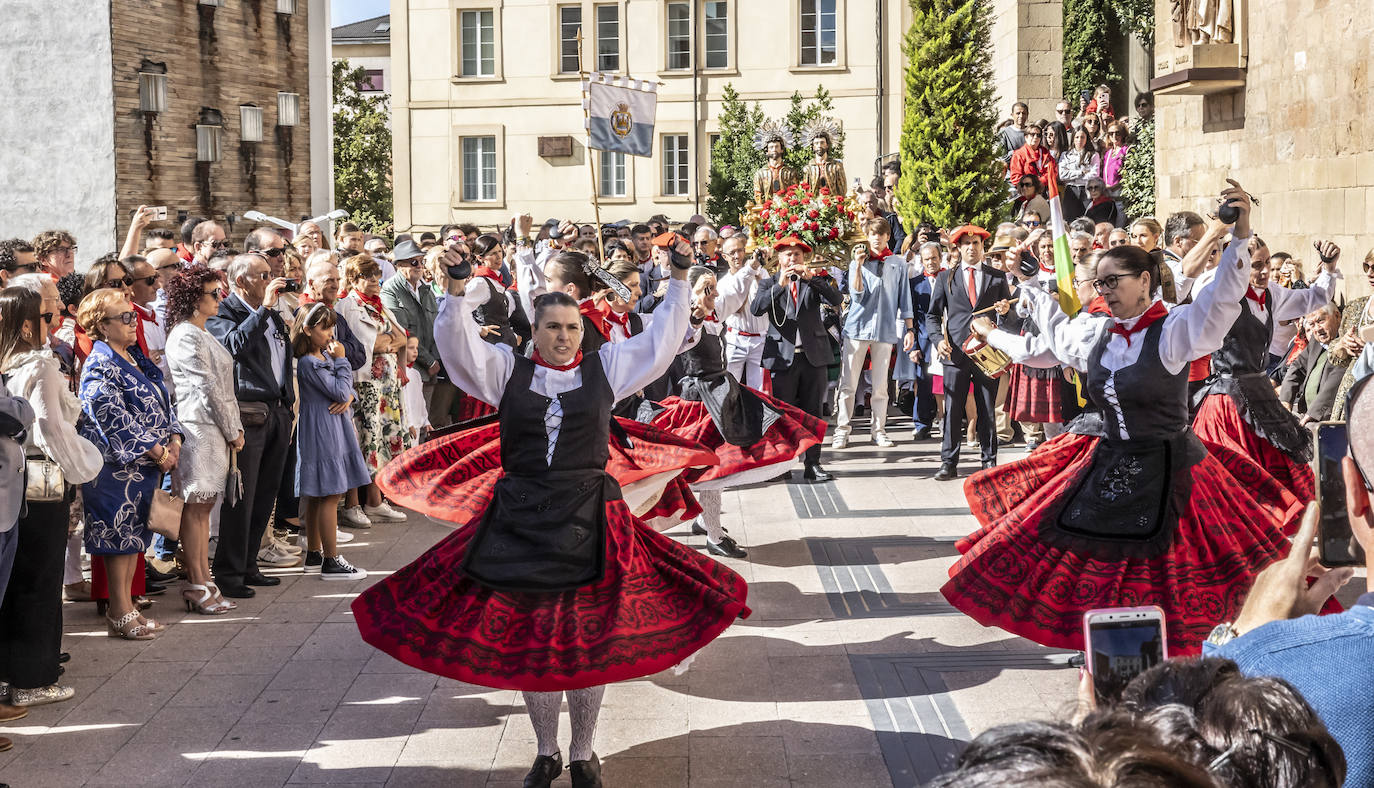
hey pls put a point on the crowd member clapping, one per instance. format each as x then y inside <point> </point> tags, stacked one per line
<point>329,461</point>
<point>204,375</point>
<point>377,408</point>
<point>126,412</point>
<point>31,614</point>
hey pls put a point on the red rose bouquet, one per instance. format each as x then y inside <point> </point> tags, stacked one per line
<point>821,219</point>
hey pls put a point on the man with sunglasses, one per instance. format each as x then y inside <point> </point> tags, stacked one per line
<point>16,258</point>
<point>206,239</point>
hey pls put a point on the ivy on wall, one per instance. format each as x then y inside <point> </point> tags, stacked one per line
<point>1090,28</point>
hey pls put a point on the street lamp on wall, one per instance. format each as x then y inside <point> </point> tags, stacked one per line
<point>250,134</point>
<point>209,128</point>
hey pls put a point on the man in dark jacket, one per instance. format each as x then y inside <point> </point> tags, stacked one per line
<point>797,349</point>
<point>416,309</point>
<point>1311,383</point>
<point>252,329</point>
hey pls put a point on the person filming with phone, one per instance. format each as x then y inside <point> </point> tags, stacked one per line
<point>1330,659</point>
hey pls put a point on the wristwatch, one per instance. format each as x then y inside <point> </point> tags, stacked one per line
<point>1222,634</point>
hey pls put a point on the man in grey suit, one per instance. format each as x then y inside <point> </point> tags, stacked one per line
<point>1309,388</point>
<point>412,301</point>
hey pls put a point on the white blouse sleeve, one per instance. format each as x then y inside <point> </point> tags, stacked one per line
<point>1288,304</point>
<point>529,276</point>
<point>733,291</point>
<point>477,367</point>
<point>1194,330</point>
<point>1026,349</point>
<point>641,359</point>
<point>1071,340</point>
<point>53,433</point>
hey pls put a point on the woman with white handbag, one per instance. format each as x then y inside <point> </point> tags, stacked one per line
<point>56,459</point>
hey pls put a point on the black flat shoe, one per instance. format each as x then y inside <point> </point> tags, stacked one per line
<point>545,769</point>
<point>947,471</point>
<point>261,579</point>
<point>815,474</point>
<point>154,576</point>
<point>700,530</point>
<point>922,434</point>
<point>727,547</point>
<point>153,589</point>
<point>586,774</point>
<point>64,658</point>
<point>236,590</point>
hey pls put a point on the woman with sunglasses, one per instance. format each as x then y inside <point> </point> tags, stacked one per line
<point>1030,207</point>
<point>1129,507</point>
<point>31,616</point>
<point>1076,165</point>
<point>1114,157</point>
<point>127,413</point>
<point>1357,314</point>
<point>203,374</point>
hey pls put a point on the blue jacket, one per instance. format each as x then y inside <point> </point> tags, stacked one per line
<point>1330,660</point>
<point>244,332</point>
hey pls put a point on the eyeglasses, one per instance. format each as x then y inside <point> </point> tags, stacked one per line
<point>272,252</point>
<point>413,262</point>
<point>147,280</point>
<point>1061,110</point>
<point>115,284</point>
<point>216,244</point>
<point>1112,281</point>
<point>127,318</point>
<point>215,294</point>
<point>47,317</point>
<point>1032,222</point>
<point>65,250</point>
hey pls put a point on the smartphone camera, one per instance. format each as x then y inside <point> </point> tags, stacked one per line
<point>1122,643</point>
<point>291,286</point>
<point>1336,542</point>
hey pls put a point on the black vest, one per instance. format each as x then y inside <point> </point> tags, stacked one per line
<point>1245,350</point>
<point>496,312</point>
<point>1151,401</point>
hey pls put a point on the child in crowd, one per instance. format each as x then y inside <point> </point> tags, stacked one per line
<point>329,459</point>
<point>413,394</point>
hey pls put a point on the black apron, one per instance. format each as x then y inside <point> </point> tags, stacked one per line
<point>740,415</point>
<point>545,530</point>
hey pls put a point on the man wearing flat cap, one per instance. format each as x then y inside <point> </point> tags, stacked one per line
<point>416,309</point>
<point>797,349</point>
<point>958,294</point>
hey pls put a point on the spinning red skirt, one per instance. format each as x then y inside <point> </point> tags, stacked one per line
<point>1009,577</point>
<point>657,604</point>
<point>794,432</point>
<point>1035,399</point>
<point>1219,421</point>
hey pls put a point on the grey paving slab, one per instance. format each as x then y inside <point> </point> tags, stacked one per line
<point>851,671</point>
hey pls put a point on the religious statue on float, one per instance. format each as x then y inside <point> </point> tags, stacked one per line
<point>821,135</point>
<point>1203,22</point>
<point>774,177</point>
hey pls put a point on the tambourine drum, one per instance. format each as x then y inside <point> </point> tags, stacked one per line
<point>992,361</point>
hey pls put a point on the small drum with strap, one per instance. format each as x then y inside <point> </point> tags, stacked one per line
<point>993,362</point>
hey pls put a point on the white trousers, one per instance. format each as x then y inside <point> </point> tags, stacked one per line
<point>744,358</point>
<point>852,367</point>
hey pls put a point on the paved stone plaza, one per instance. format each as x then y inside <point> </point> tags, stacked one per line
<point>852,670</point>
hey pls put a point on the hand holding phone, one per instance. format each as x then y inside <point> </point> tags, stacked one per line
<point>1336,543</point>
<point>1122,643</point>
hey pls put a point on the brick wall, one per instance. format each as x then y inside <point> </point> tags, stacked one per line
<point>1297,135</point>
<point>222,57</point>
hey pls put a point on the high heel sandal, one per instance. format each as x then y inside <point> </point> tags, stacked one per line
<point>200,599</point>
<point>129,627</point>
<point>219,598</point>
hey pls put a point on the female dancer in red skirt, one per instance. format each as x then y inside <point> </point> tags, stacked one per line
<point>1136,511</point>
<point>1237,406</point>
<point>754,436</point>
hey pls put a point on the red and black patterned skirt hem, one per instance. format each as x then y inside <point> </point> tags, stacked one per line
<point>1010,578</point>
<point>658,603</point>
<point>1034,400</point>
<point>452,478</point>
<point>469,408</point>
<point>1218,421</point>
<point>676,503</point>
<point>793,433</point>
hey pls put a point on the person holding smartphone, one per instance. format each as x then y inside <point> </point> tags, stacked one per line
<point>1130,508</point>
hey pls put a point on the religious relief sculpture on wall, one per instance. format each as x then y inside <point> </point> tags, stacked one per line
<point>1203,22</point>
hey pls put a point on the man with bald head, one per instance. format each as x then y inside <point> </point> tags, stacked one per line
<point>322,285</point>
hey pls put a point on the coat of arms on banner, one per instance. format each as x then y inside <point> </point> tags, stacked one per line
<point>622,122</point>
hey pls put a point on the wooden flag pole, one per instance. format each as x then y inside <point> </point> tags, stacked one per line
<point>591,165</point>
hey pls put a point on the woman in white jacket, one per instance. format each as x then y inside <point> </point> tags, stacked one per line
<point>31,615</point>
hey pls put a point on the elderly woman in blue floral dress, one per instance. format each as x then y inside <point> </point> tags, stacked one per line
<point>126,412</point>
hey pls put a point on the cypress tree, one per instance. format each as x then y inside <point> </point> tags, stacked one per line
<point>951,174</point>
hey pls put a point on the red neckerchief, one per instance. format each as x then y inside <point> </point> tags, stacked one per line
<point>144,316</point>
<point>1098,306</point>
<point>1154,313</point>
<point>1299,345</point>
<point>593,313</point>
<point>1099,199</point>
<point>1259,297</point>
<point>83,345</point>
<point>373,301</point>
<point>882,254</point>
<point>494,276</point>
<point>621,319</point>
<point>305,299</point>
<point>577,359</point>
<point>184,252</point>
<point>711,318</point>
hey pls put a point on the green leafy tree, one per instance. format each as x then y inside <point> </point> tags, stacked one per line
<point>362,151</point>
<point>1090,30</point>
<point>1138,173</point>
<point>1138,17</point>
<point>733,158</point>
<point>951,173</point>
<point>799,114</point>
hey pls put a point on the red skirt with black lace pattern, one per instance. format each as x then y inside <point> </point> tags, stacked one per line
<point>794,432</point>
<point>1009,577</point>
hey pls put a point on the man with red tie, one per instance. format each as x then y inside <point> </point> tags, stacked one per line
<point>959,294</point>
<point>797,349</point>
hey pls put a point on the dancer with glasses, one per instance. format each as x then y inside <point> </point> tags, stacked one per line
<point>1129,507</point>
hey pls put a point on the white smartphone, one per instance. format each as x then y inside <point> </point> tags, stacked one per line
<point>159,213</point>
<point>1122,643</point>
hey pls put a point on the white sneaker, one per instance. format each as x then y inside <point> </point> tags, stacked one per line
<point>882,440</point>
<point>342,537</point>
<point>384,514</point>
<point>353,517</point>
<point>840,441</point>
<point>276,558</point>
<point>338,568</point>
<point>283,542</point>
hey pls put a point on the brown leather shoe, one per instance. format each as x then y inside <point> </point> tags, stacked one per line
<point>5,744</point>
<point>10,713</point>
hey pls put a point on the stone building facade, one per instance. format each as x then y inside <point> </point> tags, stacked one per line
<point>1295,132</point>
<point>202,107</point>
<point>1028,55</point>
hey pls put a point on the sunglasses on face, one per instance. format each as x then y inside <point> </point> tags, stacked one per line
<point>115,284</point>
<point>127,318</point>
<point>213,294</point>
<point>413,262</point>
<point>216,244</point>
<point>272,252</point>
<point>1028,185</point>
<point>1032,223</point>
<point>1368,267</point>
<point>147,280</point>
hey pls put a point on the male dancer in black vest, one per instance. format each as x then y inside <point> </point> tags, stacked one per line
<point>797,349</point>
<point>960,293</point>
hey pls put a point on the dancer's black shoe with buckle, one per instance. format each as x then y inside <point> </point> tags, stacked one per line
<point>546,768</point>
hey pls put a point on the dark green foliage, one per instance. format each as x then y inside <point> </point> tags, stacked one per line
<point>800,114</point>
<point>362,152</point>
<point>1138,173</point>
<point>733,159</point>
<point>951,173</point>
<point>1090,30</point>
<point>1137,16</point>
